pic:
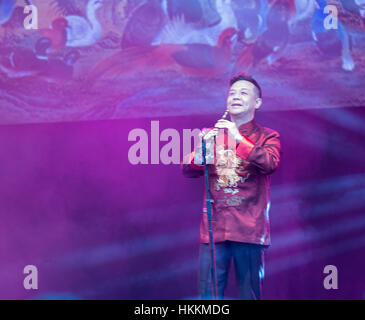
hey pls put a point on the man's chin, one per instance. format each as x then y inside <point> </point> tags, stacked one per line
<point>237,111</point>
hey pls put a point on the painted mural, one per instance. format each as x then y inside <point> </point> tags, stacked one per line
<point>112,59</point>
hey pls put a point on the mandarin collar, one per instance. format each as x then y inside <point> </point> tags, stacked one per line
<point>247,127</point>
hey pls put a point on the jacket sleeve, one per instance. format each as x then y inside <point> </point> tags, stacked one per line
<point>195,169</point>
<point>266,157</point>
<point>190,169</point>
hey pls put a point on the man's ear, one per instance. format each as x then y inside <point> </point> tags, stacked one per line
<point>258,103</point>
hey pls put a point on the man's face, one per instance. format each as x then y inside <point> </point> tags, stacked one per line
<point>243,98</point>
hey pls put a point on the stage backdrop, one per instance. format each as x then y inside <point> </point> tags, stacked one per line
<point>117,59</point>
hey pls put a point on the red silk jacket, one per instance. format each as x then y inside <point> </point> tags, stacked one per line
<point>239,181</point>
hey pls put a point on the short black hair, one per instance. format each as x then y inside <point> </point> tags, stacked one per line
<point>245,77</point>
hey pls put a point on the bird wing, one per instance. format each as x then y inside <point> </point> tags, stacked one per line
<point>176,31</point>
<point>78,28</point>
<point>68,7</point>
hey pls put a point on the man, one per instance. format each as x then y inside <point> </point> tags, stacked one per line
<point>239,180</point>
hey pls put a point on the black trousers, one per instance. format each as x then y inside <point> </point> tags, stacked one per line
<point>249,267</point>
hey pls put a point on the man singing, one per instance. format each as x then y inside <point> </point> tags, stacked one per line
<point>239,180</point>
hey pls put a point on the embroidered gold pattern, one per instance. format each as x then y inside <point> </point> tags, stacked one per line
<point>229,168</point>
<point>227,163</point>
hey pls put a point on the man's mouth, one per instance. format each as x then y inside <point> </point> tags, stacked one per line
<point>236,105</point>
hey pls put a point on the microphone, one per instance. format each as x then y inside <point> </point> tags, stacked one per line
<point>202,137</point>
<point>223,118</point>
<point>225,115</point>
<point>203,134</point>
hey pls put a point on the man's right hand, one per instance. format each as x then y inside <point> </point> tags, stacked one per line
<point>208,135</point>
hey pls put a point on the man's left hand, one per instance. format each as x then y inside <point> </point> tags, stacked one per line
<point>232,129</point>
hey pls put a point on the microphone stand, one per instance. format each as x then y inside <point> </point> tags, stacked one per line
<point>209,213</point>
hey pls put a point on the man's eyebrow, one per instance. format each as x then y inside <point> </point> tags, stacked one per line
<point>243,89</point>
